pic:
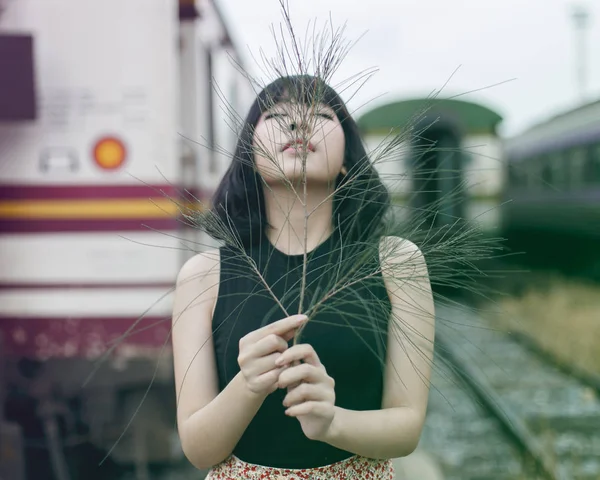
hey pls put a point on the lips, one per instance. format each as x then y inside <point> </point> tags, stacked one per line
<point>310,147</point>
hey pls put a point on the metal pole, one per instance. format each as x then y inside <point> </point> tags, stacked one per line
<point>580,17</point>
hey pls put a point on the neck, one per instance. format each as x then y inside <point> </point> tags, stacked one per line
<point>286,211</point>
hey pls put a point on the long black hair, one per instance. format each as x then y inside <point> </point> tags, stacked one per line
<point>360,201</point>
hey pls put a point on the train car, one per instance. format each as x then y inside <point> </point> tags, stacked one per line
<point>448,164</point>
<point>107,114</point>
<point>552,197</point>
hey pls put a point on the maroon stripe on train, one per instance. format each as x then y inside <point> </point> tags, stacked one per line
<point>43,337</point>
<point>95,192</point>
<point>82,285</point>
<point>89,225</point>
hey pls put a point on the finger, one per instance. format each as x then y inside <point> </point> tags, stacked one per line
<point>307,392</point>
<point>280,327</point>
<point>289,365</point>
<point>268,379</point>
<point>302,373</point>
<point>268,345</point>
<point>266,364</point>
<point>311,407</point>
<point>302,351</point>
<point>287,336</point>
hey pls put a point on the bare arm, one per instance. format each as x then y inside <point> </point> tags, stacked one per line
<point>211,422</point>
<point>209,435</point>
<point>394,431</point>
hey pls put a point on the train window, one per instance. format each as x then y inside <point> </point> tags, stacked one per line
<point>534,173</point>
<point>588,166</point>
<point>595,161</point>
<point>513,177</point>
<point>520,174</point>
<point>577,160</point>
<point>558,169</point>
<point>546,168</point>
<point>17,79</point>
<point>567,172</point>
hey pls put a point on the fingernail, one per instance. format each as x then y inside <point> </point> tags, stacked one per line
<point>301,319</point>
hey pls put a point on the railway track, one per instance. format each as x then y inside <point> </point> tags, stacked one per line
<point>501,410</point>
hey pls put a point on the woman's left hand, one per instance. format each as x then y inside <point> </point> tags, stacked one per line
<point>311,397</point>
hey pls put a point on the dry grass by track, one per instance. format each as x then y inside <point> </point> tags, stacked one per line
<point>562,315</point>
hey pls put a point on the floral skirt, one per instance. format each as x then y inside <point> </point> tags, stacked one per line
<point>353,468</point>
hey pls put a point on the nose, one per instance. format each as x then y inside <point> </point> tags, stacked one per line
<point>300,125</point>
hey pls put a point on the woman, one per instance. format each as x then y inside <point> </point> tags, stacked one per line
<point>352,393</point>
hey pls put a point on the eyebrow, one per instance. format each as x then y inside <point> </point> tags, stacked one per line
<point>281,109</point>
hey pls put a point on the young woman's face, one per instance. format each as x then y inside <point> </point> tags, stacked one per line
<point>290,133</point>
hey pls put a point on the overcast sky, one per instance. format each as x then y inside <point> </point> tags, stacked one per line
<point>416,45</point>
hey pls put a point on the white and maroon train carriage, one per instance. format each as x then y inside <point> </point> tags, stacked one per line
<point>101,105</point>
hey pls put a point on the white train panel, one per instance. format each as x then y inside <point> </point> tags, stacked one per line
<point>485,164</point>
<point>89,258</point>
<point>65,302</point>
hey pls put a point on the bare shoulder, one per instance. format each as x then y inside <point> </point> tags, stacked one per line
<point>199,276</point>
<point>201,264</point>
<point>395,250</point>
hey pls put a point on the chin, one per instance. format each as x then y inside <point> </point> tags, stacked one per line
<point>313,178</point>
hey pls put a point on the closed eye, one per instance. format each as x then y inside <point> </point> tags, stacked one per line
<point>325,115</point>
<point>274,115</point>
<point>280,115</point>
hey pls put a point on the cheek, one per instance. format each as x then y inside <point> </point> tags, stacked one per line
<point>335,144</point>
<point>338,139</point>
<point>266,138</point>
<point>265,145</point>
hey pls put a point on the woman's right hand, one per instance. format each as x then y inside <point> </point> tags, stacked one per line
<point>261,348</point>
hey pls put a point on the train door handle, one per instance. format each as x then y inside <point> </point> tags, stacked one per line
<point>58,158</point>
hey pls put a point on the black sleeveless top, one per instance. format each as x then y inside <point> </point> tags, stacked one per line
<point>354,357</point>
